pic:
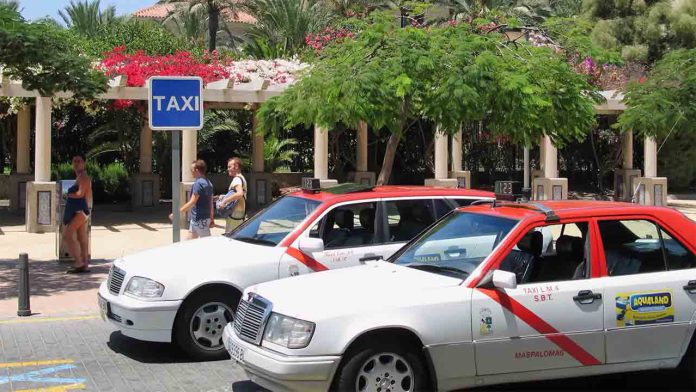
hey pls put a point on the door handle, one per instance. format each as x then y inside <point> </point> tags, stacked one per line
<point>586,297</point>
<point>691,286</point>
<point>370,257</point>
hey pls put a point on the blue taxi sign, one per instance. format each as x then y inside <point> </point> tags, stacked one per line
<point>175,102</point>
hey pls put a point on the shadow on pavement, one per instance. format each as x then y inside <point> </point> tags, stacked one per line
<point>146,352</point>
<point>49,277</point>
<point>247,386</point>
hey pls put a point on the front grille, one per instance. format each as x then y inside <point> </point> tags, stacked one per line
<point>115,280</point>
<point>251,317</point>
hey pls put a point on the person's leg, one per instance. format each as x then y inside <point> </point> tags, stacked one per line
<point>84,241</point>
<point>192,231</point>
<point>69,236</point>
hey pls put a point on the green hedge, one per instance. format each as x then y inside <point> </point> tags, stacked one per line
<point>109,182</point>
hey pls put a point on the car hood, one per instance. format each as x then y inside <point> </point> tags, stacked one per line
<point>185,258</point>
<point>336,293</point>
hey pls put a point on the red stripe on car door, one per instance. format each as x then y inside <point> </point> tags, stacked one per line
<point>544,328</point>
<point>309,261</point>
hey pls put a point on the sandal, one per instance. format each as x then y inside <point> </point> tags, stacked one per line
<point>77,270</point>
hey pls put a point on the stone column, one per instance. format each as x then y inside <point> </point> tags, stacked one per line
<point>550,158</point>
<point>361,175</point>
<point>623,177</point>
<point>145,190</point>
<point>321,156</point>
<point>23,138</point>
<point>259,184</point>
<point>650,189</point>
<point>627,149</point>
<point>42,194</point>
<point>189,145</point>
<point>441,155</point>
<point>362,147</point>
<point>550,186</point>
<point>42,153</point>
<point>650,157</point>
<point>525,179</point>
<point>458,173</point>
<point>145,149</point>
<point>19,179</point>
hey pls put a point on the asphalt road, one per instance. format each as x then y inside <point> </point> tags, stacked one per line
<point>82,352</point>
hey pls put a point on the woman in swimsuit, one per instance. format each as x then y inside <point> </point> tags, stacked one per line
<point>76,215</point>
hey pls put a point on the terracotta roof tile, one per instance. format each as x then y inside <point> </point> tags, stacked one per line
<point>161,10</point>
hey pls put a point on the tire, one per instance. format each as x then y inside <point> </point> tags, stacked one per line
<point>382,366</point>
<point>199,324</point>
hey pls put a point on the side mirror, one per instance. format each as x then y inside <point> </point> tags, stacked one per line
<point>504,279</point>
<point>310,245</point>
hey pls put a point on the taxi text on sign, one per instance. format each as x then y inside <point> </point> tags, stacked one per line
<point>175,102</point>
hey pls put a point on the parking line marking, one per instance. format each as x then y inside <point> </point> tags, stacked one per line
<point>59,388</point>
<point>7,365</point>
<point>49,319</point>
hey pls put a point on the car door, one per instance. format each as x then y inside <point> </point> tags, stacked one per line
<point>554,317</point>
<point>350,232</point>
<point>650,290</point>
<point>404,218</point>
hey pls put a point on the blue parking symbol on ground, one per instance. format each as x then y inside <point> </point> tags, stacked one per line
<point>175,102</point>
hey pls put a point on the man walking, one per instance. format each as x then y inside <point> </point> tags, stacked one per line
<point>201,202</point>
<point>239,186</point>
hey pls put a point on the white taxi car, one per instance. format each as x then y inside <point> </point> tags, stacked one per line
<point>187,292</point>
<point>477,299</point>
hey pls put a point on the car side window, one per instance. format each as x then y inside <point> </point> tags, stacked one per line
<point>442,208</point>
<point>551,253</point>
<point>347,226</point>
<point>632,247</point>
<point>407,218</point>
<point>678,257</point>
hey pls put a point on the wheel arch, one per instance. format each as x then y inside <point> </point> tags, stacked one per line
<point>403,335</point>
<point>222,286</point>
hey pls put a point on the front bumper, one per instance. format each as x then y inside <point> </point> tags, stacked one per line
<point>279,372</point>
<point>151,321</point>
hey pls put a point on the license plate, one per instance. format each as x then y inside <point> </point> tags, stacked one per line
<point>236,352</point>
<point>103,306</point>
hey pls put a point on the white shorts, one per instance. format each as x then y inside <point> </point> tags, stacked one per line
<point>201,228</point>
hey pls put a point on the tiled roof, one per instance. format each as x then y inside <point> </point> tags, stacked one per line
<point>160,11</point>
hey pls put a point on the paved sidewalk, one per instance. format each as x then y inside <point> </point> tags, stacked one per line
<point>52,291</point>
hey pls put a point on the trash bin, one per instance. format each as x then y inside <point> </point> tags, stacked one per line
<point>62,250</point>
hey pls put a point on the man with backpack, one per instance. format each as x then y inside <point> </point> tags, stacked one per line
<point>200,204</point>
<point>236,195</point>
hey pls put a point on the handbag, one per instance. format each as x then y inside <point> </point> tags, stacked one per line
<point>234,210</point>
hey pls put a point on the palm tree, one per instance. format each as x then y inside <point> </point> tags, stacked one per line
<point>86,17</point>
<point>282,25</point>
<point>12,5</point>
<point>189,22</point>
<point>278,154</point>
<point>214,9</point>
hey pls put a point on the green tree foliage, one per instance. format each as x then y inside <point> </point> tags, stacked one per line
<point>643,30</point>
<point>188,21</point>
<point>389,76</point>
<point>44,59</point>
<point>150,37</point>
<point>664,103</point>
<point>214,10</point>
<point>574,34</point>
<point>86,17</point>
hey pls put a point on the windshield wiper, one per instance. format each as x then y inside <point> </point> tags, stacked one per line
<point>255,240</point>
<point>439,268</point>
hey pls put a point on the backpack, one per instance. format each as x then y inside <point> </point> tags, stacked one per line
<point>235,210</point>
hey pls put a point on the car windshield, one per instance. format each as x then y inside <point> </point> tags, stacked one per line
<point>456,245</point>
<point>272,224</point>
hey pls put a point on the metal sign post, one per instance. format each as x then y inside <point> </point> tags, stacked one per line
<point>175,103</point>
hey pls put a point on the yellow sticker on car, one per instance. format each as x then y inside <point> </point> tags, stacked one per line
<point>641,308</point>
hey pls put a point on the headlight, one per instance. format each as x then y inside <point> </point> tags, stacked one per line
<point>144,287</point>
<point>287,331</point>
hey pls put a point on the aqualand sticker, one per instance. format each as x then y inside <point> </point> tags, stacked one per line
<point>641,308</point>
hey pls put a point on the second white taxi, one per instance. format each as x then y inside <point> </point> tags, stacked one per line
<point>480,299</point>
